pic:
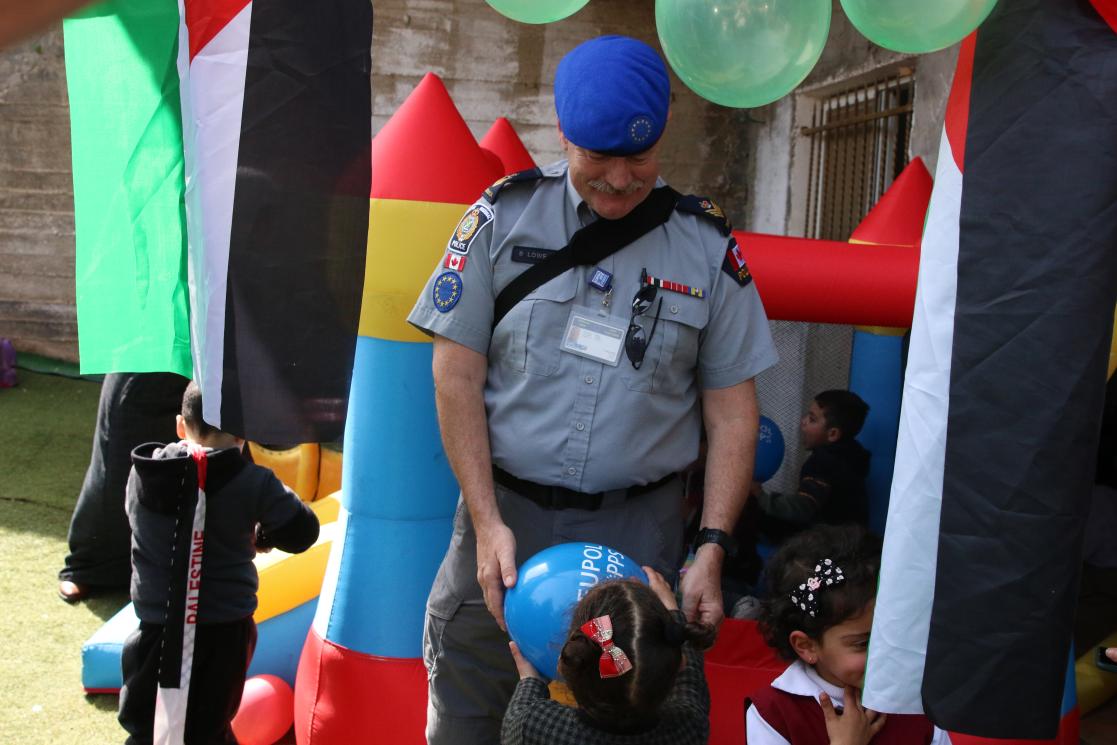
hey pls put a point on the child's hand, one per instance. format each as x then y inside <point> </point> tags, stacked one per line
<point>856,725</point>
<point>261,540</point>
<point>523,667</point>
<point>661,589</point>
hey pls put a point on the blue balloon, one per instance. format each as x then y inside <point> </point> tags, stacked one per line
<point>769,450</point>
<point>539,608</point>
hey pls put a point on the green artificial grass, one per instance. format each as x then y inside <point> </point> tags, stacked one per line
<point>46,430</point>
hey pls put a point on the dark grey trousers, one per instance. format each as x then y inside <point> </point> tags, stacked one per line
<point>469,668</point>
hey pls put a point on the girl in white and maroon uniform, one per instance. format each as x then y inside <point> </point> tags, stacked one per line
<point>823,582</point>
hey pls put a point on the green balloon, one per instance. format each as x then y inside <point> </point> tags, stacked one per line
<point>537,11</point>
<point>916,26</point>
<point>742,53</point>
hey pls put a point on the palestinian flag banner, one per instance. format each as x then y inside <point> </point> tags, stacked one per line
<point>1005,380</point>
<point>276,110</point>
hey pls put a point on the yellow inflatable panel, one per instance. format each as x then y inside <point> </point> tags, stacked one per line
<point>329,472</point>
<point>296,467</point>
<point>1095,686</point>
<point>289,580</point>
<point>406,240</point>
<point>327,507</point>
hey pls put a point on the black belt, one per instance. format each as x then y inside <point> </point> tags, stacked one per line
<point>561,498</point>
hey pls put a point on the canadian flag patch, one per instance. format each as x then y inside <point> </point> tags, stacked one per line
<point>734,264</point>
<point>454,261</point>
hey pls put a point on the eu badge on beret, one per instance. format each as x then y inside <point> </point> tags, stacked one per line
<point>612,95</point>
<point>447,291</point>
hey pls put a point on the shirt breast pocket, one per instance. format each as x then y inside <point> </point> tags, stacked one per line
<point>671,361</point>
<point>529,338</point>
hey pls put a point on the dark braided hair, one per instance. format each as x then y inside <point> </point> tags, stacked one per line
<point>652,639</point>
<point>851,547</point>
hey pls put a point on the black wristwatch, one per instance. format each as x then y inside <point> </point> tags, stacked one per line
<point>720,537</point>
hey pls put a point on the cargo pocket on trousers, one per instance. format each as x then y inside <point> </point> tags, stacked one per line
<point>442,606</point>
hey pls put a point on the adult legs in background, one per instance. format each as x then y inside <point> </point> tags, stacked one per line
<point>134,408</point>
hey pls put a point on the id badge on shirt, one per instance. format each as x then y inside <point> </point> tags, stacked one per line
<point>593,334</point>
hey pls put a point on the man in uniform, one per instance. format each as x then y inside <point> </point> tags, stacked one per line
<point>569,417</point>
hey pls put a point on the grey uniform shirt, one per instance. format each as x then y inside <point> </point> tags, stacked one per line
<point>561,419</point>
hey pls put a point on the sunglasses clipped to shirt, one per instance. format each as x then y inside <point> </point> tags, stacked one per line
<point>635,343</point>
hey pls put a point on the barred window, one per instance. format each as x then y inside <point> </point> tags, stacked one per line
<point>859,141</point>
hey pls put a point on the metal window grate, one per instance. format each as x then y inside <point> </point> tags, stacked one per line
<point>859,140</point>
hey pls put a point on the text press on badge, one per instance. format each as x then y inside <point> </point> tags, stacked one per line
<point>594,335</point>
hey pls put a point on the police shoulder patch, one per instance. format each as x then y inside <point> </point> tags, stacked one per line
<point>447,291</point>
<point>734,264</point>
<point>706,208</point>
<point>477,217</point>
<point>493,192</point>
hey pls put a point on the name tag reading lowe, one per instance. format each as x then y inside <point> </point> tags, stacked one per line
<point>592,334</point>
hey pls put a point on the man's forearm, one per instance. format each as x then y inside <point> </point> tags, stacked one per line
<point>459,397</point>
<point>732,424</point>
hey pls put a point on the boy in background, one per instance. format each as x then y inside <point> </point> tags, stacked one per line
<point>831,491</point>
<point>831,481</point>
<point>193,575</point>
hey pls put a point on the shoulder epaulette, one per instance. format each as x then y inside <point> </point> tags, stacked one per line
<point>707,208</point>
<point>532,174</point>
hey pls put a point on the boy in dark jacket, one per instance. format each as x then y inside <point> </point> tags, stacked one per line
<point>832,480</point>
<point>199,513</point>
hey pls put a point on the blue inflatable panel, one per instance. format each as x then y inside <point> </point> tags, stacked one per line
<point>278,646</point>
<point>384,571</point>
<point>100,655</point>
<point>393,465</point>
<point>876,376</point>
<point>279,642</point>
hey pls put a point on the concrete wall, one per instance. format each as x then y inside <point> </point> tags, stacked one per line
<point>496,67</point>
<point>780,176</point>
<point>36,200</point>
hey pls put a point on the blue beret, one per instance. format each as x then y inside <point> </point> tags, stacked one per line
<point>611,94</point>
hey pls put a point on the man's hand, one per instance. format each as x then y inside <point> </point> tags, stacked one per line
<point>856,725</point>
<point>496,566</point>
<point>701,586</point>
<point>523,667</point>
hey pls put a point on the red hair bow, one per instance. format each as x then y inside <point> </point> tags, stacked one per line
<point>614,662</point>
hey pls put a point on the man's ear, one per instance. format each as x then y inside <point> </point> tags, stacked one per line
<point>565,143</point>
<point>804,646</point>
<point>180,427</point>
<point>833,434</point>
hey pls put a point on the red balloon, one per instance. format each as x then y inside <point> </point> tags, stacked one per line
<point>267,711</point>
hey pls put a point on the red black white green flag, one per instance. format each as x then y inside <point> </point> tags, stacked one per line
<point>276,109</point>
<point>1005,380</point>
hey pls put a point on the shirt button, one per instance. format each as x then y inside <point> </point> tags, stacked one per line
<point>674,309</point>
<point>572,470</point>
<point>589,379</point>
<point>580,426</point>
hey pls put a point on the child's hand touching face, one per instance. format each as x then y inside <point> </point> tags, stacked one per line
<point>523,667</point>
<point>856,725</point>
<point>661,589</point>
